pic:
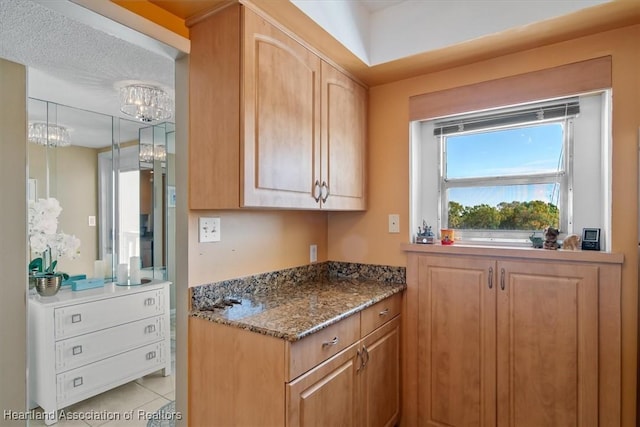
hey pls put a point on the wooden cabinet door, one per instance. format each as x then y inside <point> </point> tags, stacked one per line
<point>547,344</point>
<point>281,116</point>
<point>328,394</point>
<point>456,341</point>
<point>344,110</point>
<point>380,376</point>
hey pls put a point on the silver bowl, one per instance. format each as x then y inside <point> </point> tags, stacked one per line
<point>48,284</point>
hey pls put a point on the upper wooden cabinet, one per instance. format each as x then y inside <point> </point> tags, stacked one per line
<point>271,124</point>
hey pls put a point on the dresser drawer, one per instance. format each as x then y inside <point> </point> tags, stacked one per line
<point>314,349</point>
<point>380,313</point>
<point>79,319</point>
<point>77,384</point>
<point>83,349</point>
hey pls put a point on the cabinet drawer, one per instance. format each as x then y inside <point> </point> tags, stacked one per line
<point>81,350</point>
<point>312,350</point>
<point>95,378</point>
<point>79,319</point>
<point>381,312</point>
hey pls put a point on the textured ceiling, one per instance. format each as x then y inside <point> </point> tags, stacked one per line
<point>74,64</point>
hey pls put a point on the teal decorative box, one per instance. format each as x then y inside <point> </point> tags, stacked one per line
<point>82,284</point>
<point>72,279</point>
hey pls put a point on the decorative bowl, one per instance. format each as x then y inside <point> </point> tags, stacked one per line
<point>47,284</point>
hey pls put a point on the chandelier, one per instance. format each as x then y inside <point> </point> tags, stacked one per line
<point>149,153</point>
<point>145,103</point>
<point>48,135</point>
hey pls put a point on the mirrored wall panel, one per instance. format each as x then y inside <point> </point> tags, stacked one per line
<point>113,179</point>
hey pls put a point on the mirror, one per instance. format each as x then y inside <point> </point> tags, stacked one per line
<point>115,184</point>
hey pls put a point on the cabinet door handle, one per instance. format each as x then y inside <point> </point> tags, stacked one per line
<point>149,301</point>
<point>490,277</point>
<point>365,352</point>
<point>361,364</point>
<point>76,318</point>
<point>384,312</point>
<point>326,196</point>
<point>316,185</point>
<point>502,285</point>
<point>149,329</point>
<point>76,349</point>
<point>151,355</point>
<point>333,342</point>
<point>77,382</point>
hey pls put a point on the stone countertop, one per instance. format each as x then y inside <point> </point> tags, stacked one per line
<point>292,312</point>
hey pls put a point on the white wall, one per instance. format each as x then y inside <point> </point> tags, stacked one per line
<point>409,27</point>
<point>13,239</point>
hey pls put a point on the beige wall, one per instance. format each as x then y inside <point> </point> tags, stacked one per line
<point>255,242</point>
<point>363,237</point>
<point>13,231</point>
<point>74,182</point>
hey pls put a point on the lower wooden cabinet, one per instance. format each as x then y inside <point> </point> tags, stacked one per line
<point>512,342</point>
<point>358,387</point>
<point>328,394</point>
<point>242,378</point>
<point>379,395</point>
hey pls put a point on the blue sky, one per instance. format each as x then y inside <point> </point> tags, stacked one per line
<point>516,151</point>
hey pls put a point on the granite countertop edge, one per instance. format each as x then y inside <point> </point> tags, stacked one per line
<point>387,290</point>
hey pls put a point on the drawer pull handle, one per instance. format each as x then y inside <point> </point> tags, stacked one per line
<point>149,329</point>
<point>361,364</point>
<point>149,301</point>
<point>76,318</point>
<point>77,382</point>
<point>151,355</point>
<point>333,342</point>
<point>384,312</point>
<point>76,349</point>
<point>502,279</point>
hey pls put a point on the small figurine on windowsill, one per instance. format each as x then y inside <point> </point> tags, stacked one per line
<point>551,238</point>
<point>425,235</point>
<point>571,243</point>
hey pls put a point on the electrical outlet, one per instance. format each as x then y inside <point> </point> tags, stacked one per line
<point>313,253</point>
<point>209,229</point>
<point>92,221</point>
<point>394,223</point>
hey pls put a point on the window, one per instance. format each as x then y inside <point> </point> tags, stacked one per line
<point>504,174</point>
<point>500,175</point>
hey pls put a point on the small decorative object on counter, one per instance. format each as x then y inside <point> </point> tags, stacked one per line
<point>48,245</point>
<point>123,274</point>
<point>134,270</point>
<point>446,236</point>
<point>425,235</point>
<point>571,242</point>
<point>551,238</point>
<point>536,241</point>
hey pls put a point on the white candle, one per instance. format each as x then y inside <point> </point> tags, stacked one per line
<point>108,266</point>
<point>98,269</point>
<point>134,270</point>
<point>123,274</point>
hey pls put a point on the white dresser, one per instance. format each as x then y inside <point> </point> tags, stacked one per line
<point>86,342</point>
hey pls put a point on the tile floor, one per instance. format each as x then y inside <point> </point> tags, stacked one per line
<point>142,398</point>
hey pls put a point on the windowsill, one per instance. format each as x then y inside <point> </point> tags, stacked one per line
<point>513,252</point>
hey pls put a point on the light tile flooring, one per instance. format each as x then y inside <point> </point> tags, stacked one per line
<point>141,398</point>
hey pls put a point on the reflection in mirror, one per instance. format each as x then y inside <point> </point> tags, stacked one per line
<point>105,181</point>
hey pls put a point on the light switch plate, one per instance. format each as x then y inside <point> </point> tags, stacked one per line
<point>209,229</point>
<point>313,253</point>
<point>394,223</point>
